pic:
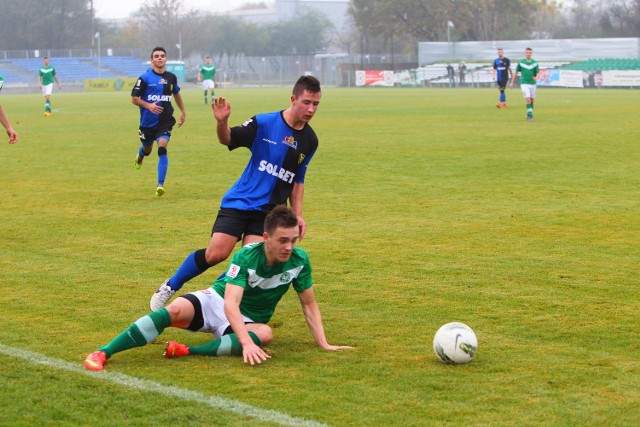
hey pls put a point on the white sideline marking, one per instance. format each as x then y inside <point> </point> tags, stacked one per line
<point>144,385</point>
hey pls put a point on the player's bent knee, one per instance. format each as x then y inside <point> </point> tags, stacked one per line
<point>162,151</point>
<point>263,332</point>
<point>216,256</point>
<point>181,311</point>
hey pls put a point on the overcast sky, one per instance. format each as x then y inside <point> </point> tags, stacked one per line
<point>110,9</point>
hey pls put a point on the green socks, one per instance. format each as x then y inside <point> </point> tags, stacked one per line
<point>141,332</point>
<point>226,345</point>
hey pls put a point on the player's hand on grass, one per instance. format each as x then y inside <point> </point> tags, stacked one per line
<point>253,354</point>
<point>337,347</point>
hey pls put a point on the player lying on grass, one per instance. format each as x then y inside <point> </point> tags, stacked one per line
<point>237,308</point>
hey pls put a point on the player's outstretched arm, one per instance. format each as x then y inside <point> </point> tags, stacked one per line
<point>221,112</point>
<point>314,320</point>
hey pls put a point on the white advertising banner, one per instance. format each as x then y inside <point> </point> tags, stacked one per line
<point>571,78</point>
<point>624,78</point>
<point>374,78</point>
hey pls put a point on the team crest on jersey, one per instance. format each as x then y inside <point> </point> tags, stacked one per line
<point>290,141</point>
<point>285,277</point>
<point>163,81</point>
<point>234,270</point>
<point>301,158</point>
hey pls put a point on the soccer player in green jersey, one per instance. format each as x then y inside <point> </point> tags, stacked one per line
<point>46,77</point>
<point>529,75</point>
<point>206,75</point>
<point>237,308</point>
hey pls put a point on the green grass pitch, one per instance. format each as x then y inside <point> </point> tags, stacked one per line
<point>424,206</point>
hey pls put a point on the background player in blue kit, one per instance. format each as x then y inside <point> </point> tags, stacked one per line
<point>152,93</point>
<point>501,75</point>
<point>282,144</point>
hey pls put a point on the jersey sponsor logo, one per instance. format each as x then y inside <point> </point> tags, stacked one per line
<point>159,98</point>
<point>247,122</point>
<point>277,171</point>
<point>290,141</point>
<point>234,270</point>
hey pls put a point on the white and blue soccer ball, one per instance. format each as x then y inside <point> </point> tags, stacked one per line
<point>455,343</point>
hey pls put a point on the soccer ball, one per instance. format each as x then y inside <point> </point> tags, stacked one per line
<point>455,343</point>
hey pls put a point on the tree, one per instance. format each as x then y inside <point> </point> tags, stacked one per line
<point>427,20</point>
<point>302,35</point>
<point>45,24</point>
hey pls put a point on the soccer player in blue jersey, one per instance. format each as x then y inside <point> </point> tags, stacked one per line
<point>239,305</point>
<point>501,75</point>
<point>152,93</point>
<point>282,144</point>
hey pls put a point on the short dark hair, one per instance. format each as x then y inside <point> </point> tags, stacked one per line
<point>158,48</point>
<point>308,83</point>
<point>529,49</point>
<point>280,216</point>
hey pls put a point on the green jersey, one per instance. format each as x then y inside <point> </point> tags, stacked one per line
<point>207,72</point>
<point>264,285</point>
<point>46,75</point>
<point>528,70</point>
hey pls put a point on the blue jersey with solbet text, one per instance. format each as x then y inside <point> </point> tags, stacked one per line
<point>158,89</point>
<point>279,158</point>
<point>502,65</point>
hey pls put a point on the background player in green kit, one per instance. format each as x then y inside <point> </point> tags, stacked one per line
<point>529,74</point>
<point>46,77</point>
<point>237,308</point>
<point>206,75</point>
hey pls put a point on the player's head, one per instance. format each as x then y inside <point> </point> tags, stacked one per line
<point>45,60</point>
<point>207,60</point>
<point>306,83</point>
<point>156,51</point>
<point>500,52</point>
<point>527,53</point>
<point>280,233</point>
<point>305,98</point>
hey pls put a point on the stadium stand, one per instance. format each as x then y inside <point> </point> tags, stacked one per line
<point>605,64</point>
<point>123,66</point>
<point>72,70</point>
